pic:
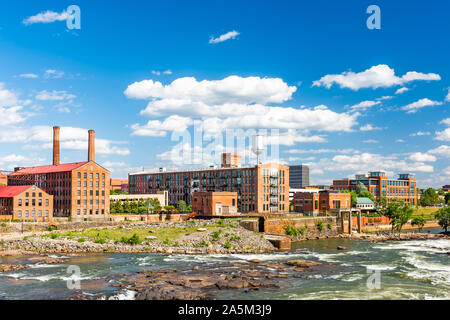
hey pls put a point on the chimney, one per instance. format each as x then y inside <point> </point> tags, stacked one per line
<point>91,148</point>
<point>55,146</point>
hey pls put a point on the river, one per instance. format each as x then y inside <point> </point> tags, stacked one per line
<point>417,269</point>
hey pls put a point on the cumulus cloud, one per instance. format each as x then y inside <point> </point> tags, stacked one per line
<point>46,17</point>
<point>41,137</point>
<point>371,141</point>
<point>28,76</point>
<point>446,121</point>
<point>321,151</point>
<point>422,157</point>
<point>443,150</point>
<point>447,98</point>
<point>401,90</point>
<point>156,128</point>
<point>369,127</point>
<point>422,103</point>
<point>7,97</point>
<point>380,76</point>
<point>224,37</point>
<point>54,95</point>
<point>420,133</point>
<point>158,73</point>
<point>364,105</point>
<point>443,135</point>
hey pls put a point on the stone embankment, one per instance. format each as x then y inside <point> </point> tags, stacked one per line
<point>232,239</point>
<point>393,236</point>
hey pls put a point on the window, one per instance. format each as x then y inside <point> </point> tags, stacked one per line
<point>26,202</point>
<point>27,194</point>
<point>40,213</point>
<point>20,203</point>
<point>20,213</point>
<point>46,213</point>
<point>40,202</point>
<point>40,194</point>
<point>26,213</point>
<point>46,202</point>
<point>78,212</point>
<point>79,175</point>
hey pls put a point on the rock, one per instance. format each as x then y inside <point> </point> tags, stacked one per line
<point>201,229</point>
<point>170,292</point>
<point>302,263</point>
<point>11,267</point>
<point>341,248</point>
<point>255,261</point>
<point>151,238</point>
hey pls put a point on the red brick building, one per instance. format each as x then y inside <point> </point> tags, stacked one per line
<point>80,190</point>
<point>379,185</point>
<point>321,202</point>
<point>25,203</point>
<point>214,203</point>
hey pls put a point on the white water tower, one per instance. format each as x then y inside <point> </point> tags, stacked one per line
<point>257,146</point>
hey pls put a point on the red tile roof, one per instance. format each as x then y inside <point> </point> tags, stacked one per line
<point>11,191</point>
<point>49,169</point>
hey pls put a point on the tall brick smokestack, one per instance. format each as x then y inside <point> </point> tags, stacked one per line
<point>56,146</point>
<point>91,148</point>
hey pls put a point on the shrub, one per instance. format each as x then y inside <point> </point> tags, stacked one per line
<point>100,241</point>
<point>221,223</point>
<point>81,240</point>
<point>52,228</point>
<point>54,235</point>
<point>320,225</point>
<point>330,226</point>
<point>227,244</point>
<point>291,230</point>
<point>133,240</point>
<point>216,235</point>
<point>204,243</point>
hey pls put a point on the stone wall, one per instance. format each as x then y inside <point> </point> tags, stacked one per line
<point>307,225</point>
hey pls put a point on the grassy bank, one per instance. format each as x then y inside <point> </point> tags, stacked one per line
<point>427,212</point>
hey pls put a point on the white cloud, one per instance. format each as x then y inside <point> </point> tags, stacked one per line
<point>446,121</point>
<point>441,151</point>
<point>364,105</point>
<point>158,73</point>
<point>54,95</point>
<point>156,128</point>
<point>7,97</point>
<point>28,76</point>
<point>422,103</point>
<point>53,74</point>
<point>401,90</point>
<point>224,37</point>
<point>321,151</point>
<point>422,157</point>
<point>400,140</point>
<point>46,17</point>
<point>369,127</point>
<point>231,89</point>
<point>41,137</point>
<point>447,98</point>
<point>371,141</point>
<point>443,135</point>
<point>380,76</point>
<point>420,133</point>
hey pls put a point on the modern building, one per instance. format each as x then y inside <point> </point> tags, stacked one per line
<point>261,189</point>
<point>364,204</point>
<point>162,196</point>
<point>380,185</point>
<point>446,188</point>
<point>313,203</point>
<point>80,190</point>
<point>298,176</point>
<point>119,184</point>
<point>214,203</point>
<point>3,179</point>
<point>231,160</point>
<point>25,203</point>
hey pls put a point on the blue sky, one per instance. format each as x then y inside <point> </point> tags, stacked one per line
<point>141,72</point>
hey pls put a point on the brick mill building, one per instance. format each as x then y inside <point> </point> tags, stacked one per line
<point>214,203</point>
<point>380,185</point>
<point>321,201</point>
<point>262,189</point>
<point>80,190</point>
<point>25,203</point>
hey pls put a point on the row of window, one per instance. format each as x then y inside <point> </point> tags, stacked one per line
<point>91,212</point>
<point>91,176</point>
<point>33,202</point>
<point>90,202</point>
<point>91,193</point>
<point>33,213</point>
<point>90,183</point>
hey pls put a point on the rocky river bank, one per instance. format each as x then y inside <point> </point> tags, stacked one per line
<point>201,237</point>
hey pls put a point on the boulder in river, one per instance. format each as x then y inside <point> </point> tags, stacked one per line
<point>302,263</point>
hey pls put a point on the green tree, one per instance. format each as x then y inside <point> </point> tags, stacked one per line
<point>381,202</point>
<point>182,206</point>
<point>447,198</point>
<point>399,213</point>
<point>429,197</point>
<point>418,221</point>
<point>189,209</point>
<point>443,218</point>
<point>441,192</point>
<point>366,194</point>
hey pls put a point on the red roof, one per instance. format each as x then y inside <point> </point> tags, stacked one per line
<point>49,169</point>
<point>11,191</point>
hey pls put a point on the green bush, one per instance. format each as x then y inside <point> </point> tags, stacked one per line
<point>227,244</point>
<point>81,240</point>
<point>54,235</point>
<point>330,226</point>
<point>291,230</point>
<point>52,228</point>
<point>133,240</point>
<point>100,241</point>
<point>216,235</point>
<point>320,225</point>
